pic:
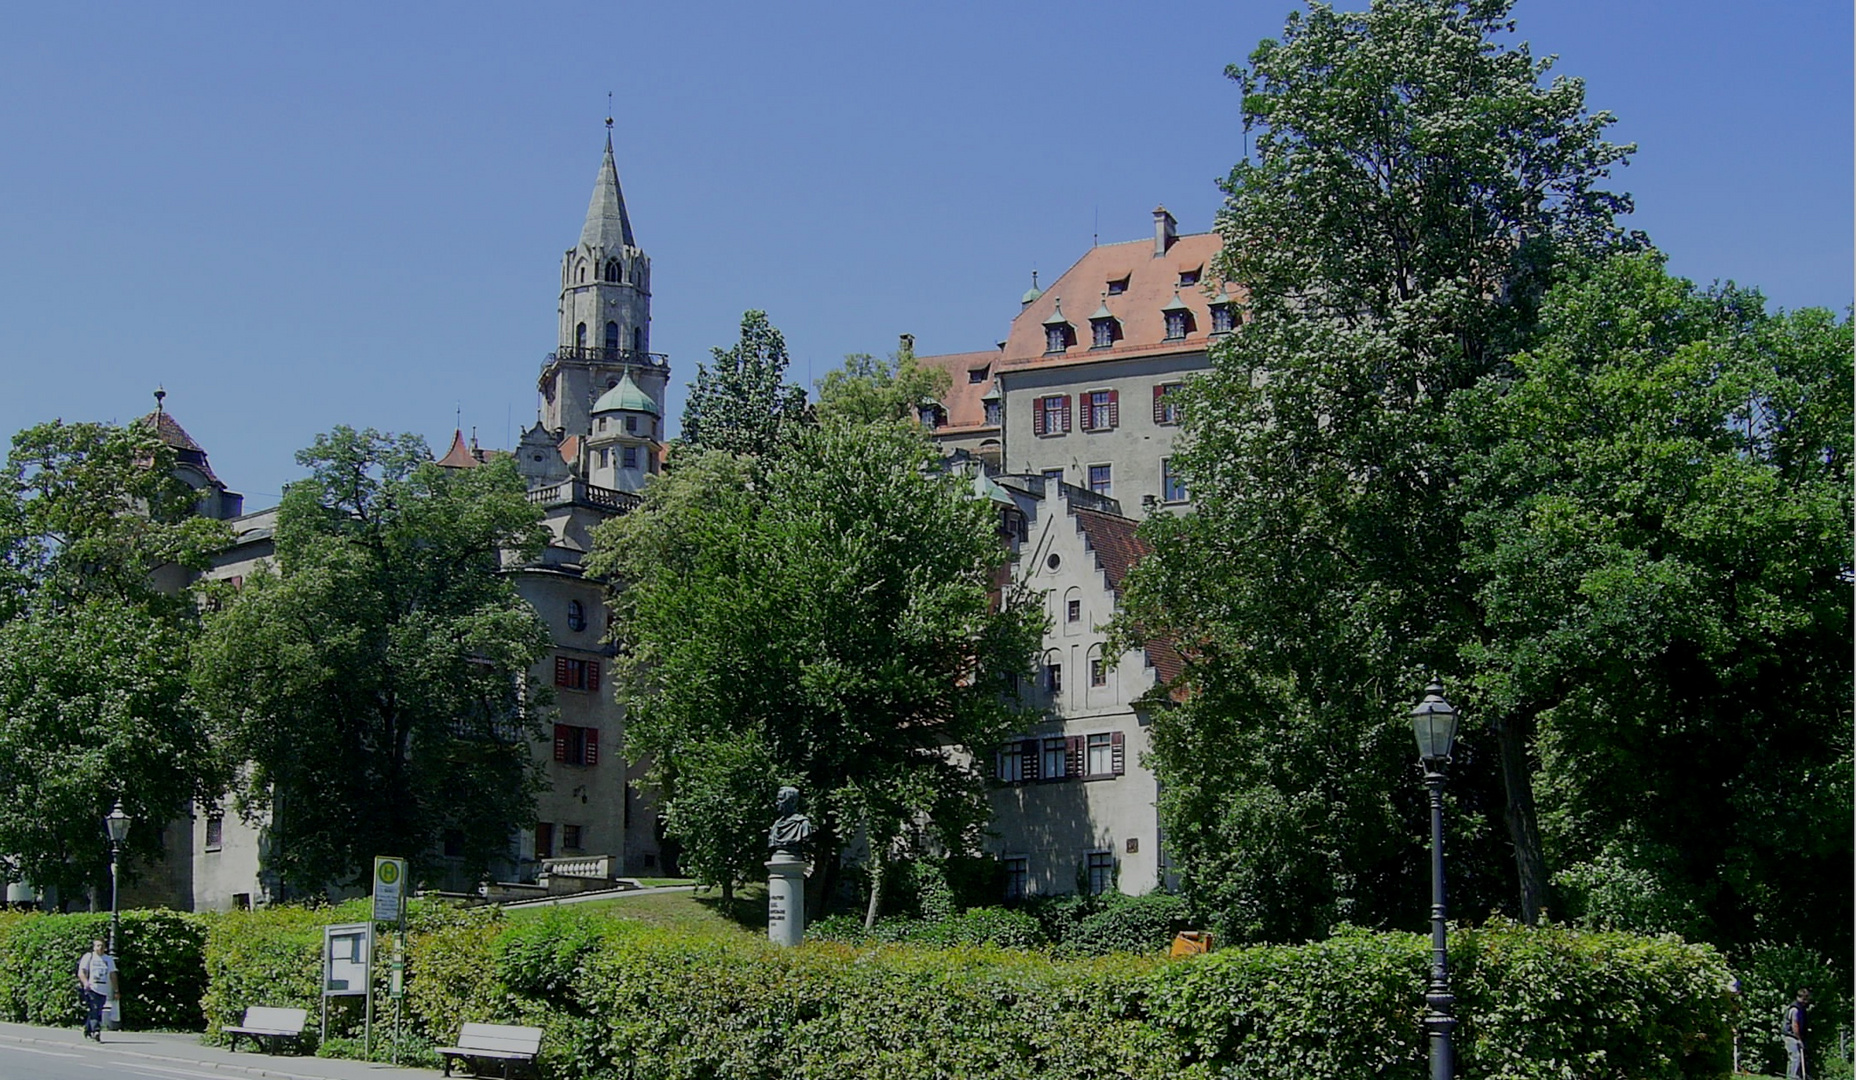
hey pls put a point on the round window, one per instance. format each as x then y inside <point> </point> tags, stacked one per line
<point>1054,561</point>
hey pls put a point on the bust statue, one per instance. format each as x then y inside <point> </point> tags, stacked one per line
<point>790,832</point>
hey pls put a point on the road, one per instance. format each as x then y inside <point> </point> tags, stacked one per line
<point>28,1053</point>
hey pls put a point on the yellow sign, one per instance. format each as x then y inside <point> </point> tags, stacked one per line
<point>389,889</point>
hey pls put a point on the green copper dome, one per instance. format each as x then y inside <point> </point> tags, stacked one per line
<point>625,397</point>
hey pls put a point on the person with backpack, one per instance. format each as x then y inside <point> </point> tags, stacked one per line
<point>1793,1028</point>
<point>96,972</point>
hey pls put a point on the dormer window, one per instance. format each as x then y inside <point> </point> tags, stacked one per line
<point>1179,321</point>
<point>1058,333</point>
<point>1105,329</point>
<point>992,413</point>
<point>1190,277</point>
<point>933,416</point>
<point>1224,320</point>
<point>1119,285</point>
<point>977,375</point>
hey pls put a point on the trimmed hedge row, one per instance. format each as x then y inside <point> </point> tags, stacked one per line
<point>162,976</point>
<point>618,998</point>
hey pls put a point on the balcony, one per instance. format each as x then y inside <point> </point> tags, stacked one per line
<point>579,491</point>
<point>589,354</point>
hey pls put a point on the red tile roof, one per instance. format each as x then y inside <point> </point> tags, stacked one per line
<point>460,456</point>
<point>1117,548</point>
<point>962,401</point>
<point>570,449</point>
<point>169,431</point>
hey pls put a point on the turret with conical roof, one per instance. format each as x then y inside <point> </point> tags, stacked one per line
<point>627,440</point>
<point>605,312</point>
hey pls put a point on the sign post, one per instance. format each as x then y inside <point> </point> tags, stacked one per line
<point>389,907</point>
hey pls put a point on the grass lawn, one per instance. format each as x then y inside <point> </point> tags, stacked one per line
<point>699,912</point>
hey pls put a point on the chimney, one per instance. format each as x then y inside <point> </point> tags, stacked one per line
<point>1166,230</point>
<point>905,345</point>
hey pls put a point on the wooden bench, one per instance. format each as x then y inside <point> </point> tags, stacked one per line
<point>262,1022</point>
<point>507,1043</point>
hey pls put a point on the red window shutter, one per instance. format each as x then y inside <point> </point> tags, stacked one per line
<point>1028,750</point>
<point>560,742</point>
<point>1119,753</point>
<point>592,746</point>
<point>560,671</point>
<point>592,674</point>
<point>1114,409</point>
<point>1075,764</point>
<point>1159,404</point>
<point>1066,414</point>
<point>1037,418</point>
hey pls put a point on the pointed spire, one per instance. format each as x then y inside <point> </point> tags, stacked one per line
<point>607,226</point>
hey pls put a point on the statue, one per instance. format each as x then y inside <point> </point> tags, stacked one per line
<point>791,831</point>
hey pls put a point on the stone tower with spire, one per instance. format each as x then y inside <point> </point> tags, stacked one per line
<point>605,314</point>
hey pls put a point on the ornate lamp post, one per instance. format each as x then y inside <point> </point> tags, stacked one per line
<point>1433,720</point>
<point>118,825</point>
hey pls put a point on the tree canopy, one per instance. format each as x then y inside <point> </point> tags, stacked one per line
<point>868,390</point>
<point>373,681</point>
<point>93,704</point>
<point>834,607</point>
<point>740,402</point>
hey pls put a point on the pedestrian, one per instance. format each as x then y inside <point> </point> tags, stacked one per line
<point>96,975</point>
<point>1796,1029</point>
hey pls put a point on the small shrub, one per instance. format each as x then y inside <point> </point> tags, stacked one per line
<point>1132,924</point>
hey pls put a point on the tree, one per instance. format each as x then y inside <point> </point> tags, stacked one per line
<point>1414,185</point>
<point>373,682</point>
<point>740,405</point>
<point>867,390</point>
<point>833,605</point>
<point>724,786</point>
<point>1657,518</point>
<point>93,707</point>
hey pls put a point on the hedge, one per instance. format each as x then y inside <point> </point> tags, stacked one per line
<point>159,953</point>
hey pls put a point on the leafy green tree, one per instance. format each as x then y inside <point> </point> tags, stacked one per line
<point>724,789</point>
<point>1657,519</point>
<point>373,682</point>
<point>1414,183</point>
<point>835,605</point>
<point>867,390</point>
<point>93,706</point>
<point>740,403</point>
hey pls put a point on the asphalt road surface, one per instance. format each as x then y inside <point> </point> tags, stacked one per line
<point>90,1062</point>
<point>34,1053</point>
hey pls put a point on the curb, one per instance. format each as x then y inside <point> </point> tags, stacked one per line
<point>269,1072</point>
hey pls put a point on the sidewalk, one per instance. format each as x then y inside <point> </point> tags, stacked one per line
<point>177,1049</point>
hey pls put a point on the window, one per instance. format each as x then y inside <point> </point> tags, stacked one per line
<point>992,413</point>
<point>1055,763</point>
<point>1074,612</point>
<point>1104,332</point>
<point>1172,488</point>
<point>1099,479</point>
<point>576,745</point>
<point>977,375</point>
<point>1100,756</point>
<point>576,616</point>
<point>241,901</point>
<point>1101,410</point>
<point>575,674</point>
<point>1190,277</point>
<point>580,331</point>
<point>215,830</point>
<point>1053,476</point>
<point>1016,872</point>
<point>1099,750</point>
<point>631,425</point>
<point>1011,764</point>
<point>570,838</point>
<point>1224,320</point>
<point>1052,415</point>
<point>637,339</point>
<point>1119,285</point>
<point>933,416</point>
<point>544,840</point>
<point>612,271</point>
<point>612,336</point>
<point>605,455</point>
<point>1166,403</point>
<point>1101,872</point>
<point>630,456</point>
<point>1053,678</point>
<point>1178,324</point>
<point>1058,337</point>
<point>1098,674</point>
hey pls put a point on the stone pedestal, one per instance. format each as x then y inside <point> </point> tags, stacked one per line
<point>786,899</point>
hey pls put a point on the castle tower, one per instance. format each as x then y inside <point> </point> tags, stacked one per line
<point>626,443</point>
<point>605,314</point>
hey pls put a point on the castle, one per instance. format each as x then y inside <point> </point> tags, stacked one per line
<point>1039,422</point>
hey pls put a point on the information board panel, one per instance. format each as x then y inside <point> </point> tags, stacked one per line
<point>347,959</point>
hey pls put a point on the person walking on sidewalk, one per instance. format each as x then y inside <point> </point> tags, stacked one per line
<point>96,975</point>
<point>1797,1016</point>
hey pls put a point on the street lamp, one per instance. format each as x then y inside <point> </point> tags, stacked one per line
<point>118,825</point>
<point>1433,721</point>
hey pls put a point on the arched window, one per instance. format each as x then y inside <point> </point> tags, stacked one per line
<point>583,273</point>
<point>612,270</point>
<point>580,335</point>
<point>576,615</point>
<point>638,339</point>
<point>612,336</point>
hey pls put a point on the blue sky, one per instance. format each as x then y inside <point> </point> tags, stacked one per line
<point>296,216</point>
